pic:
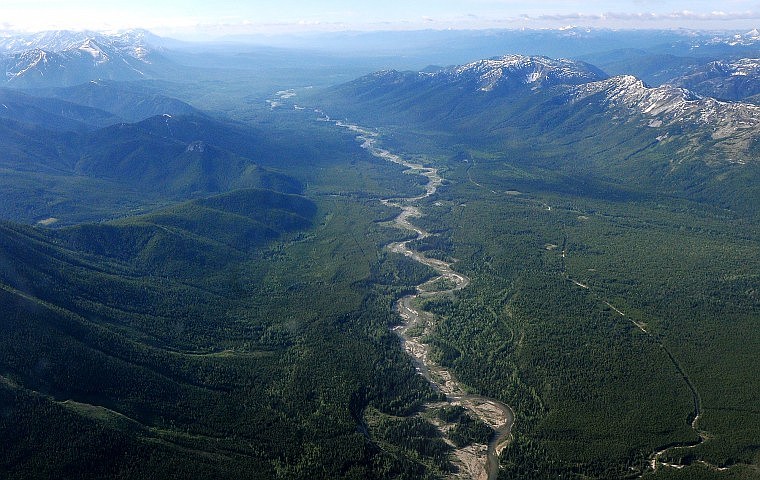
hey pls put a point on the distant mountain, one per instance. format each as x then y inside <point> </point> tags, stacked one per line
<point>750,38</point>
<point>486,89</point>
<point>101,172</point>
<point>445,47</point>
<point>653,68</point>
<point>129,101</point>
<point>63,58</point>
<point>710,45</point>
<point>725,79</point>
<point>567,117</point>
<point>54,114</point>
<point>134,41</point>
<point>469,90</point>
<point>690,53</point>
<point>514,71</point>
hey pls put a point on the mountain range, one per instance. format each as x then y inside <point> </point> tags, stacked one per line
<point>666,137</point>
<point>724,79</point>
<point>133,149</point>
<point>69,58</point>
<point>66,58</point>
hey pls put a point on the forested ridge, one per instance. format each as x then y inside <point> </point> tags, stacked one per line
<point>242,334</point>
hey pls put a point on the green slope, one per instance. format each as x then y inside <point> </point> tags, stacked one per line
<point>564,215</point>
<point>540,130</point>
<point>242,334</point>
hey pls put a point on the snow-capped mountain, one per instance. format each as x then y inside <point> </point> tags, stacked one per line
<point>52,41</point>
<point>746,38</point>
<point>512,95</point>
<point>516,70</point>
<point>536,71</point>
<point>488,78</point>
<point>741,67</point>
<point>61,58</point>
<point>129,41</point>
<point>669,104</point>
<point>718,45</point>
<point>732,126</point>
<point>726,79</point>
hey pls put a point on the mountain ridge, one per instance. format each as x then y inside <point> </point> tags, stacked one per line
<point>537,71</point>
<point>732,80</point>
<point>62,40</point>
<point>733,124</point>
<point>610,129</point>
<point>68,58</point>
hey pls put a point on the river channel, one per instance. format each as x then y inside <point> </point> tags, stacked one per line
<point>479,462</point>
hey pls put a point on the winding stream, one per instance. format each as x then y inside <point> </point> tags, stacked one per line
<point>476,461</point>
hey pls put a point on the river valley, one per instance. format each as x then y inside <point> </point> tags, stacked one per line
<point>476,461</point>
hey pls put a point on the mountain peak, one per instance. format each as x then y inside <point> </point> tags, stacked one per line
<point>58,41</point>
<point>669,102</point>
<point>537,71</point>
<point>734,125</point>
<point>91,47</point>
<point>76,57</point>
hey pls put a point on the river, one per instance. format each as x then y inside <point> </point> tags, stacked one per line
<point>479,462</point>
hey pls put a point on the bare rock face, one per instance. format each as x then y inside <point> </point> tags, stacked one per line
<point>733,127</point>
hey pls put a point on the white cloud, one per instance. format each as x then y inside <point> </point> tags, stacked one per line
<point>650,16</point>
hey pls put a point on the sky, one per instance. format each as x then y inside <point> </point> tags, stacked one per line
<point>188,18</point>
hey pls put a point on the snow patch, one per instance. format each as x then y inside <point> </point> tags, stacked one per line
<point>285,94</point>
<point>732,122</point>
<point>94,50</point>
<point>491,73</point>
<point>197,146</point>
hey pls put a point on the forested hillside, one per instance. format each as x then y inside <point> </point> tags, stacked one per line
<point>609,243</point>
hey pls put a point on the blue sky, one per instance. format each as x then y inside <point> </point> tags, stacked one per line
<point>218,17</point>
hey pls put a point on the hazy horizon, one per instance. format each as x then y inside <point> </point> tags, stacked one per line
<point>196,20</point>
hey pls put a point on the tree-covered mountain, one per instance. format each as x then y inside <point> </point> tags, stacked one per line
<point>617,129</point>
<point>54,114</point>
<point>252,325</point>
<point>195,342</point>
<point>130,101</point>
<point>120,167</point>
